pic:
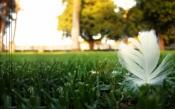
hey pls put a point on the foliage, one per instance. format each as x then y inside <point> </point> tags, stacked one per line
<point>152,14</point>
<point>80,82</point>
<point>10,9</point>
<point>97,16</point>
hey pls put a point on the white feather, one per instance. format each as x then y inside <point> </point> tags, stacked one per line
<point>142,62</point>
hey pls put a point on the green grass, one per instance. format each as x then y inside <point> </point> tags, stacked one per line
<point>64,56</point>
<point>60,56</point>
<point>65,80</point>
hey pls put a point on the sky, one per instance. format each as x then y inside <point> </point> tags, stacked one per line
<point>126,4</point>
<point>37,22</point>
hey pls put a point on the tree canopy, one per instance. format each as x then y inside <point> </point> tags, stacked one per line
<point>7,7</point>
<point>10,8</point>
<point>97,16</point>
<point>152,14</point>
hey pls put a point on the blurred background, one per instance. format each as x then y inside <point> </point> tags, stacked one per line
<point>78,25</point>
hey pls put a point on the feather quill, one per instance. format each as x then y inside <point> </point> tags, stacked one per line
<point>142,63</point>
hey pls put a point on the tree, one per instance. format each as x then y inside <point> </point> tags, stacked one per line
<point>75,33</point>
<point>3,23</point>
<point>16,10</point>
<point>154,14</point>
<point>97,16</point>
<point>7,7</point>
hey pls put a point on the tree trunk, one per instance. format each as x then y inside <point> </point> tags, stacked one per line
<point>12,47</point>
<point>3,21</point>
<point>161,42</point>
<point>14,34</point>
<point>91,45</point>
<point>75,33</point>
<point>16,11</point>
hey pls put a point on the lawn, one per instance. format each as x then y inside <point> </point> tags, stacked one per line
<point>60,56</point>
<point>76,80</point>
